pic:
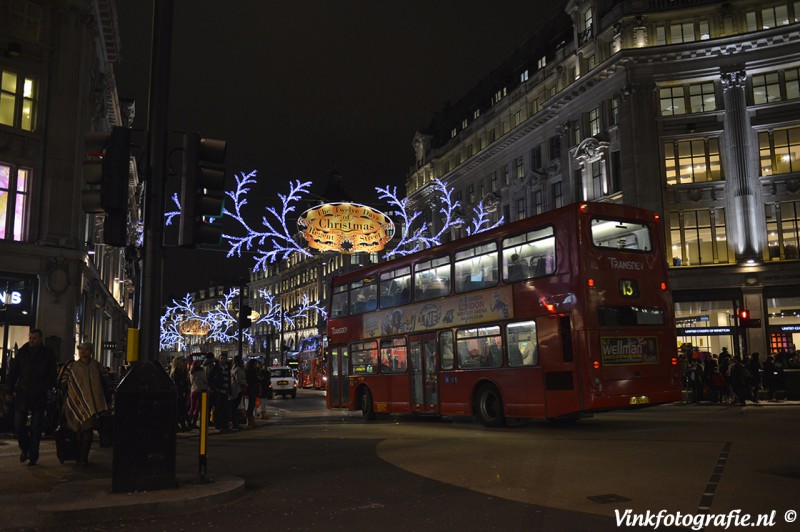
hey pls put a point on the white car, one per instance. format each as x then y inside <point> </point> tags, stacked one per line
<point>283,382</point>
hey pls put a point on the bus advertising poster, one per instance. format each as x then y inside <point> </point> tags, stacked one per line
<point>619,350</point>
<point>468,309</point>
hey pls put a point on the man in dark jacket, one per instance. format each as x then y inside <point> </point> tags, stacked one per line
<point>33,373</point>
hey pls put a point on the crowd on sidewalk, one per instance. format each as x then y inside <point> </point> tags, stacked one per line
<point>234,390</point>
<point>730,379</point>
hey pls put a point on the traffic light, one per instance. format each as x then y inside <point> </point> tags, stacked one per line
<point>744,318</point>
<point>244,317</point>
<point>202,191</point>
<point>106,173</point>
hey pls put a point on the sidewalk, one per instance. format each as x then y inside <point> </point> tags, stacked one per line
<point>54,493</point>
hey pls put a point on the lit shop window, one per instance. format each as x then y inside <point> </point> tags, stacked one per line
<point>692,161</point>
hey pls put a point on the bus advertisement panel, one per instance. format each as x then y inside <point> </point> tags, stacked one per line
<point>554,316</point>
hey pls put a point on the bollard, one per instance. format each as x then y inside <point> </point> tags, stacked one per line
<point>203,437</point>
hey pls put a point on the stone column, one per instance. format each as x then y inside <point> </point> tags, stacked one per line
<point>742,212</point>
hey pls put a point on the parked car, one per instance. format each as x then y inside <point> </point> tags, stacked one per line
<point>283,381</point>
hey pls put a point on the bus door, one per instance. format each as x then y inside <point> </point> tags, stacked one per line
<point>424,373</point>
<point>556,356</point>
<point>338,385</point>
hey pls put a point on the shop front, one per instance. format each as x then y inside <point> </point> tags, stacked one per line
<point>18,301</point>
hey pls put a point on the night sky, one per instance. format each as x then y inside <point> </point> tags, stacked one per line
<point>300,87</point>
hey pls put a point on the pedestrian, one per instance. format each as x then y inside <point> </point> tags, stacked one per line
<point>740,377</point>
<point>85,398</point>
<point>33,372</point>
<point>238,387</point>
<point>770,378</point>
<point>199,384</point>
<point>754,367</point>
<point>251,392</point>
<point>264,382</point>
<point>696,380</point>
<point>219,385</point>
<point>180,376</point>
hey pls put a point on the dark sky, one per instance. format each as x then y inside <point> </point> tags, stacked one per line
<point>298,87</point>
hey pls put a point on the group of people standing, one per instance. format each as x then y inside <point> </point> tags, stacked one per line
<point>729,379</point>
<point>232,386</point>
<point>34,375</point>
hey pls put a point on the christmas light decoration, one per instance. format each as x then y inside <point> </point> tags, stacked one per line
<point>173,214</point>
<point>283,243</point>
<point>481,221</point>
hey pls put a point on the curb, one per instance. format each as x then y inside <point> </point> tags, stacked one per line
<point>92,500</point>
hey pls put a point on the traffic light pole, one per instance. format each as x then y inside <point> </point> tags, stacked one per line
<point>155,185</point>
<point>239,316</point>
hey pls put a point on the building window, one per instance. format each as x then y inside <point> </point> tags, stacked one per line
<point>692,161</point>
<point>594,121</point>
<point>661,36</point>
<point>702,97</point>
<point>523,77</point>
<point>614,111</point>
<point>672,101</point>
<point>681,32</point>
<point>698,237</point>
<point>492,136</point>
<point>536,157</point>
<point>766,88</point>
<point>591,62</point>
<point>534,107</point>
<point>783,230</point>
<point>499,94</point>
<point>17,101</point>
<point>517,118</point>
<point>519,168</point>
<point>464,124</point>
<point>791,79</point>
<point>14,194</point>
<point>493,182</point>
<point>558,199</point>
<point>555,147</point>
<point>476,113</point>
<point>470,150</point>
<point>779,151</point>
<point>471,194</point>
<point>453,132</point>
<point>538,207</point>
<point>541,62</point>
<point>705,34</point>
<point>520,208</point>
<point>772,17</point>
<point>504,174</point>
<point>575,132</point>
<point>26,19</point>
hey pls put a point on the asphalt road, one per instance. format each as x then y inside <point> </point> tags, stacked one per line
<point>315,469</point>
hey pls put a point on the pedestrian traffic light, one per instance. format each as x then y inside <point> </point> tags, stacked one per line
<point>244,317</point>
<point>106,173</point>
<point>202,191</point>
<point>744,318</point>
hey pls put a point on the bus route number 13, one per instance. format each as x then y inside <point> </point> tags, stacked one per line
<point>628,288</point>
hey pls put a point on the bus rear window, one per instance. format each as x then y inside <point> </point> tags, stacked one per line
<point>619,234</point>
<point>629,316</point>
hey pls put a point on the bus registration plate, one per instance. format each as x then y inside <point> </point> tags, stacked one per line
<point>641,400</point>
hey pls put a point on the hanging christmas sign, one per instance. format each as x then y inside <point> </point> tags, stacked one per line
<point>346,228</point>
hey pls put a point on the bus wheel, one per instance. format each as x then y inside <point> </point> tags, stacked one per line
<point>490,407</point>
<point>367,407</point>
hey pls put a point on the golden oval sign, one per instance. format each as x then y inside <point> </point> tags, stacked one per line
<point>194,327</point>
<point>346,228</point>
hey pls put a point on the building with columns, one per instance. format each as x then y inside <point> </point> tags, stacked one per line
<point>56,273</point>
<point>687,108</point>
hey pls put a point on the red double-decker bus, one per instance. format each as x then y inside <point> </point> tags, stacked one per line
<point>554,316</point>
<point>311,371</point>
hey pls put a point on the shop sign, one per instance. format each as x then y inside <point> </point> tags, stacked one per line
<point>704,331</point>
<point>346,228</point>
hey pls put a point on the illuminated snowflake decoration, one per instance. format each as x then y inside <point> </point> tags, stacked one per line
<point>481,221</point>
<point>283,243</point>
<point>173,214</point>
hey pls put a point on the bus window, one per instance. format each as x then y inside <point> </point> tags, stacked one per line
<point>446,349</point>
<point>479,347</point>
<point>532,254</point>
<point>476,267</point>
<point>363,296</point>
<point>393,355</point>
<point>395,287</point>
<point>364,357</point>
<point>432,278</point>
<point>629,316</point>
<point>523,347</point>
<point>339,302</point>
<point>617,234</point>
